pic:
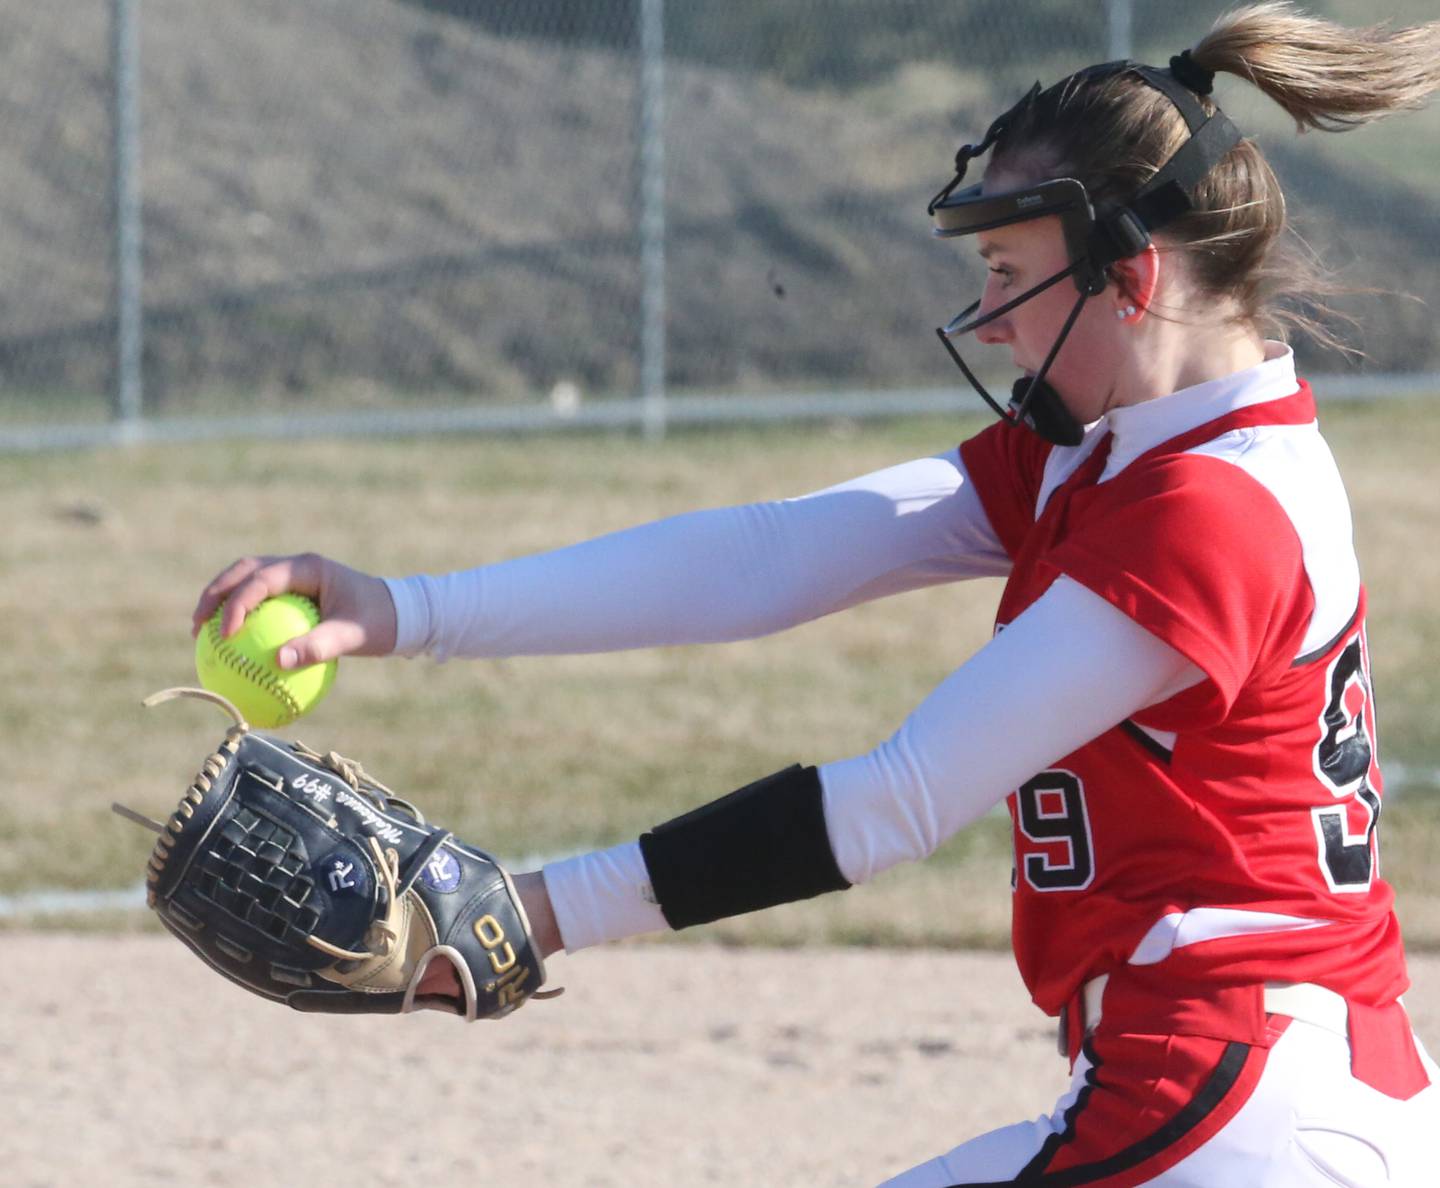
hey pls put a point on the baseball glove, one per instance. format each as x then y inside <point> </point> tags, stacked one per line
<point>306,881</point>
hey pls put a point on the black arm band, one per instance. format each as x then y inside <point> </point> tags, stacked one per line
<point>762,845</point>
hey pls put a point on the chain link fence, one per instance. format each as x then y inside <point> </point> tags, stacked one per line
<point>425,214</point>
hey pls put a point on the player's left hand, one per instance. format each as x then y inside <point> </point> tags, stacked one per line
<point>305,881</point>
<point>440,981</point>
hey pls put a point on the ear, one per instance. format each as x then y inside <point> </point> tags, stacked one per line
<point>1136,278</point>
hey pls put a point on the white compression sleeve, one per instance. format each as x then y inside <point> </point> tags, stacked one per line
<point>731,573</point>
<point>1065,671</point>
<point>602,896</point>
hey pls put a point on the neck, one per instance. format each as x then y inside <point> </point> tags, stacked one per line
<point>1175,356</point>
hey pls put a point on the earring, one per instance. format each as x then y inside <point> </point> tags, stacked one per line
<point>1127,312</point>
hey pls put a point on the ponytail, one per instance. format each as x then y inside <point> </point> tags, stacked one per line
<point>1114,134</point>
<point>1323,75</point>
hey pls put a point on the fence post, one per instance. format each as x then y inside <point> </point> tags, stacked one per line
<point>1119,25</point>
<point>127,394</point>
<point>652,216</point>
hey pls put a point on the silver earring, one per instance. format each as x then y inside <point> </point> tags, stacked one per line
<point>1127,312</point>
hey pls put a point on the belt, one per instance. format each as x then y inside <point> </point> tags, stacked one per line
<point>1303,1001</point>
<point>1309,1003</point>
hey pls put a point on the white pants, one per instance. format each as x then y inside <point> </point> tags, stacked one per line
<point>1307,1124</point>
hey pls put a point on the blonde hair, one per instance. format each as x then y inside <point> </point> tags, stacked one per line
<point>1114,133</point>
<point>1324,75</point>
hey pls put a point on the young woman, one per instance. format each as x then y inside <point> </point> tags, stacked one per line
<point>1178,709</point>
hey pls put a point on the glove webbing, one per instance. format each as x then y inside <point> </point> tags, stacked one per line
<point>387,861</point>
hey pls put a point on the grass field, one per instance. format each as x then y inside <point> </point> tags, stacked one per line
<point>105,552</point>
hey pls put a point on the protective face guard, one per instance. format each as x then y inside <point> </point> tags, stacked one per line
<point>971,211</point>
<point>1093,242</point>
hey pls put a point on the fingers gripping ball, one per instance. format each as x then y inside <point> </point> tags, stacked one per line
<point>243,667</point>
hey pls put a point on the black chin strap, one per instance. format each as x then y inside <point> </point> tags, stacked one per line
<point>1038,405</point>
<point>1032,402</point>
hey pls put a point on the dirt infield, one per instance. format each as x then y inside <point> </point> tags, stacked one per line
<point>660,1066</point>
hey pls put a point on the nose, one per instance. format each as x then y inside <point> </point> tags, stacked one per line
<point>996,333</point>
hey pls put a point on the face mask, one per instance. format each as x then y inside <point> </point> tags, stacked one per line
<point>1093,242</point>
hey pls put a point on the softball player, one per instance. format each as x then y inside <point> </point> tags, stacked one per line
<point>1176,706</point>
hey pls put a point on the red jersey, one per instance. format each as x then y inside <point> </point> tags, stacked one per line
<point>1224,837</point>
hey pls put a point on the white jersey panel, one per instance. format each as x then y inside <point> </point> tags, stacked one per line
<point>1140,427</point>
<point>1178,929</point>
<point>1295,465</point>
<point>1063,461</point>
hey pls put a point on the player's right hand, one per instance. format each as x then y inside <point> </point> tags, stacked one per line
<point>357,614</point>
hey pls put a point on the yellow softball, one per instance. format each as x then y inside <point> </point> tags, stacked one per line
<point>243,669</point>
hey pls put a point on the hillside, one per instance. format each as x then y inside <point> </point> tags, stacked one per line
<point>354,200</point>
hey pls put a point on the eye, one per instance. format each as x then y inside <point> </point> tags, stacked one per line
<point>1003,273</point>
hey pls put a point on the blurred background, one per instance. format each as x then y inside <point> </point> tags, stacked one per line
<point>390,215</point>
<point>291,274</point>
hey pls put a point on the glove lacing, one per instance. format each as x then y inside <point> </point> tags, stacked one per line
<point>358,778</point>
<point>210,771</point>
<point>382,935</point>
